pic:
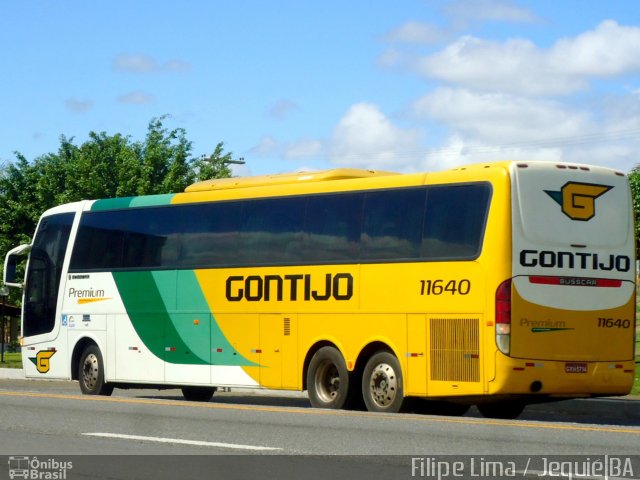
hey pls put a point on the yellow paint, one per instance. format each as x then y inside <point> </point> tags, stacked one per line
<point>387,305</point>
<point>84,301</point>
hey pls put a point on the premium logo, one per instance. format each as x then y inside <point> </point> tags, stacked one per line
<point>578,200</point>
<point>88,295</point>
<point>41,360</point>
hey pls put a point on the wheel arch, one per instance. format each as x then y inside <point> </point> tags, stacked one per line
<point>369,350</point>
<point>80,347</point>
<point>310,353</point>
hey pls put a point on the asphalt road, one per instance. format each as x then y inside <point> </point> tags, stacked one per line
<point>46,419</point>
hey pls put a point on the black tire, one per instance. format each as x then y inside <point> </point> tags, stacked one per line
<point>382,385</point>
<point>501,410</point>
<point>91,373</point>
<point>328,379</point>
<point>198,394</point>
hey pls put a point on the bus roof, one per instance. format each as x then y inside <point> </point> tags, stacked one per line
<point>284,178</point>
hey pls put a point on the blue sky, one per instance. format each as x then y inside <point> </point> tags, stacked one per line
<point>413,85</point>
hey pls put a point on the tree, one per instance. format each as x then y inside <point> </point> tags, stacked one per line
<point>215,165</point>
<point>104,166</point>
<point>634,182</point>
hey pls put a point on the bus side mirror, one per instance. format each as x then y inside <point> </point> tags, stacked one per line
<point>10,277</point>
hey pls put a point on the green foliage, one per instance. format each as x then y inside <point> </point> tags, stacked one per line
<point>214,166</point>
<point>105,166</point>
<point>634,182</point>
<point>12,360</point>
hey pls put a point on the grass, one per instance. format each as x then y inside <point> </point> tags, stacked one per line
<point>11,360</point>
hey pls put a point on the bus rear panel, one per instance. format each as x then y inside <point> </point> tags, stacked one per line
<point>565,322</point>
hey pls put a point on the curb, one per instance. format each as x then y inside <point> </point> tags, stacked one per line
<point>12,373</point>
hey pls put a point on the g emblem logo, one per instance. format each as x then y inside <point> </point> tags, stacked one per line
<point>578,200</point>
<point>42,360</point>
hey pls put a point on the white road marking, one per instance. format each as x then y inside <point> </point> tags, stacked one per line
<point>180,441</point>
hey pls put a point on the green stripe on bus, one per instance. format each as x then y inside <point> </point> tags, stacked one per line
<point>132,202</point>
<point>170,314</point>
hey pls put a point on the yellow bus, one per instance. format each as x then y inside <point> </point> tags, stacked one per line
<point>496,285</point>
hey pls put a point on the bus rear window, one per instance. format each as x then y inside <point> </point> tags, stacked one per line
<point>454,223</point>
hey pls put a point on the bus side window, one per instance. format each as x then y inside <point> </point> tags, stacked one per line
<point>332,227</point>
<point>454,222</point>
<point>392,224</point>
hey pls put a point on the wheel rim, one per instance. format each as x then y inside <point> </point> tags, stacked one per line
<point>90,371</point>
<point>327,381</point>
<point>383,385</point>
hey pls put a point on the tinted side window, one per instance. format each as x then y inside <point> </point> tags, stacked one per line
<point>211,234</point>
<point>332,228</point>
<point>271,231</point>
<point>392,224</point>
<point>99,242</point>
<point>135,238</point>
<point>153,238</point>
<point>454,222</point>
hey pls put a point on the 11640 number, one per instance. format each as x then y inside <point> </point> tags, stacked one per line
<point>440,287</point>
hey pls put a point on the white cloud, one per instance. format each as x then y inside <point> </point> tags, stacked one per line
<point>469,11</point>
<point>501,118</point>
<point>457,150</point>
<point>610,49</point>
<point>494,126</point>
<point>366,138</point>
<point>303,149</point>
<point>417,32</point>
<point>519,66</point>
<point>265,147</point>
<point>137,63</point>
<point>516,66</point>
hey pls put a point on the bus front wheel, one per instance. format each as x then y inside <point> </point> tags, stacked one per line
<point>328,379</point>
<point>382,388</point>
<point>91,373</point>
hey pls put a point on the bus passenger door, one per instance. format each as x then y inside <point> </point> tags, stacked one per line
<point>278,350</point>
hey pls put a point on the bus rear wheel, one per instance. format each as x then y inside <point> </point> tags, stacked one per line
<point>91,373</point>
<point>328,379</point>
<point>501,410</point>
<point>382,388</point>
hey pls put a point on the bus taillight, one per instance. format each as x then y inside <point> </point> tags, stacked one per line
<point>503,316</point>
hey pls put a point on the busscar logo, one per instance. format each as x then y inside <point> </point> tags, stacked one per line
<point>578,200</point>
<point>41,360</point>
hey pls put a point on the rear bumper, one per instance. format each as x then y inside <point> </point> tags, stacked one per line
<point>561,379</point>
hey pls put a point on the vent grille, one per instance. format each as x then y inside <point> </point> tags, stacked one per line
<point>455,349</point>
<point>287,326</point>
